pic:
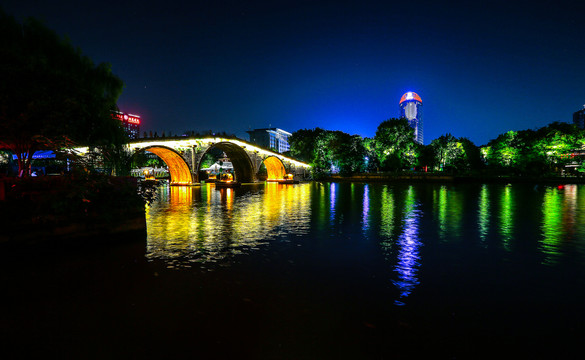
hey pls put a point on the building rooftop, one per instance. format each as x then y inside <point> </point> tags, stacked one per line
<point>410,96</point>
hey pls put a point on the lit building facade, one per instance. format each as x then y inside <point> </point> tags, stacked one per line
<point>579,118</point>
<point>411,109</point>
<point>130,122</point>
<point>271,138</point>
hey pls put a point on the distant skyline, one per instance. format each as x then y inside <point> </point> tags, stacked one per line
<point>481,68</point>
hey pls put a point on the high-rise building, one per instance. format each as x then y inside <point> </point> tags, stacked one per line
<point>411,109</point>
<point>130,122</point>
<point>579,118</point>
<point>271,138</point>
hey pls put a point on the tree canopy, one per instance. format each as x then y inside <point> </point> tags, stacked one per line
<point>394,144</point>
<point>328,150</point>
<point>51,95</point>
<point>531,152</point>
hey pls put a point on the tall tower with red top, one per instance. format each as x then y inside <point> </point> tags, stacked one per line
<point>411,109</point>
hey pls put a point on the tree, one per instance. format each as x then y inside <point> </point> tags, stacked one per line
<point>454,154</point>
<point>555,141</point>
<point>371,162</point>
<point>345,152</point>
<point>51,96</point>
<point>325,149</point>
<point>445,151</point>
<point>394,144</point>
<point>302,143</point>
<point>504,151</point>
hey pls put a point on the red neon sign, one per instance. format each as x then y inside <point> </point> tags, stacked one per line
<point>129,118</point>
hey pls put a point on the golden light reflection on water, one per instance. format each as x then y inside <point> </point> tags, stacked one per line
<point>182,230</point>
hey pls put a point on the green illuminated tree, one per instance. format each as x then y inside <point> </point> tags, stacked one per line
<point>394,145</point>
<point>303,143</point>
<point>534,152</point>
<point>51,96</point>
<point>505,150</point>
<point>454,154</point>
<point>555,142</point>
<point>325,149</point>
<point>371,162</point>
<point>347,152</point>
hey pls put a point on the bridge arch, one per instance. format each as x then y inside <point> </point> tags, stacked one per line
<point>178,167</point>
<point>243,167</point>
<point>274,168</point>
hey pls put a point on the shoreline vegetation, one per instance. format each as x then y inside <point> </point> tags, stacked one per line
<point>70,208</point>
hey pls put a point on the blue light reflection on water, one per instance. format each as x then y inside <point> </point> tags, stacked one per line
<point>332,205</point>
<point>365,209</point>
<point>408,255</point>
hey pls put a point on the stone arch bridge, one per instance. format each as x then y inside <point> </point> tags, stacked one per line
<point>183,157</point>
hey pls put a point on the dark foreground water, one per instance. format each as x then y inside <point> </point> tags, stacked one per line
<point>315,271</point>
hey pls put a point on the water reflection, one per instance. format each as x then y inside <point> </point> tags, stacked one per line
<point>506,216</point>
<point>408,256</point>
<point>483,213</point>
<point>206,224</point>
<point>225,223</point>
<point>332,205</point>
<point>448,208</point>
<point>387,220</point>
<point>365,208</point>
<point>571,210</point>
<point>552,225</point>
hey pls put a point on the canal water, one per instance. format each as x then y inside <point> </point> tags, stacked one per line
<point>317,271</point>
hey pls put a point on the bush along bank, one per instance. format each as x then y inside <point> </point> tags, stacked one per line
<point>69,207</point>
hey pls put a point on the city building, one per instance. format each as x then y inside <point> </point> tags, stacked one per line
<point>130,122</point>
<point>271,138</point>
<point>411,109</point>
<point>579,118</point>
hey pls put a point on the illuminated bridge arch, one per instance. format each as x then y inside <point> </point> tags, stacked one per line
<point>274,168</point>
<point>243,167</point>
<point>178,167</point>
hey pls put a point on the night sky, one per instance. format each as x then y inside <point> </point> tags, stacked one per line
<point>481,67</point>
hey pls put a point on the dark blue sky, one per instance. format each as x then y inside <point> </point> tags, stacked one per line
<point>481,67</point>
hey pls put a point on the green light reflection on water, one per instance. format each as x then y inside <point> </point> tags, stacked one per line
<point>387,220</point>
<point>506,216</point>
<point>448,207</point>
<point>484,212</point>
<point>441,202</point>
<point>552,225</point>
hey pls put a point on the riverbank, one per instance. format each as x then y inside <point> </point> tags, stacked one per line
<point>69,208</point>
<point>434,178</point>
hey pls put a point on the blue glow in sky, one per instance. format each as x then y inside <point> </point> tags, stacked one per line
<point>481,68</point>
